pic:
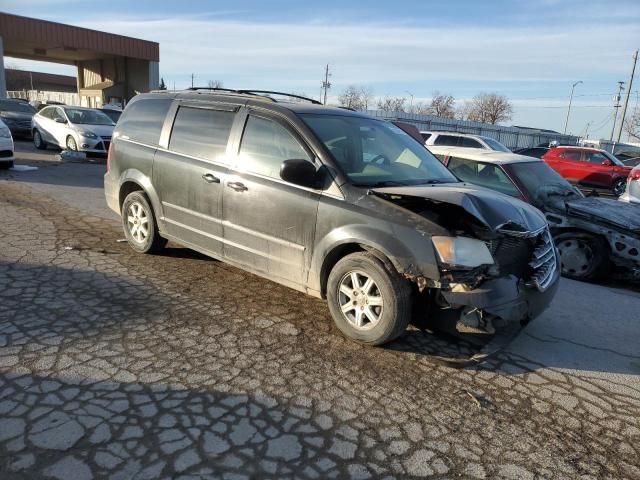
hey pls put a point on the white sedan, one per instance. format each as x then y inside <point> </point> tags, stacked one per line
<point>6,146</point>
<point>632,192</point>
<point>74,128</point>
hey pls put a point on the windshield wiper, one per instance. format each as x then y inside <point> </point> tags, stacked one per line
<point>383,183</point>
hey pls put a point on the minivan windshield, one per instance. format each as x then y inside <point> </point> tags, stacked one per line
<point>374,153</point>
<point>84,116</point>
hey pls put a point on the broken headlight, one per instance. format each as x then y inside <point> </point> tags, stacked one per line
<point>462,252</point>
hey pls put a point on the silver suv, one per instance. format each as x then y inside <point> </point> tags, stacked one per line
<point>330,202</point>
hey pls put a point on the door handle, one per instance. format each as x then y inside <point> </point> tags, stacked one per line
<point>237,186</point>
<point>209,178</point>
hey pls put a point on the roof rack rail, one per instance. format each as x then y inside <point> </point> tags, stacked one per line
<point>220,89</point>
<point>257,93</point>
<point>271,92</point>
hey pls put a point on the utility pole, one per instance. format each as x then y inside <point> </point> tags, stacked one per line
<point>626,100</point>
<point>192,80</point>
<point>616,106</point>
<point>326,85</point>
<point>566,122</point>
<point>410,101</point>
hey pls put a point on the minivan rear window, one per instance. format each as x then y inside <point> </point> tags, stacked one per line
<point>201,132</point>
<point>142,120</point>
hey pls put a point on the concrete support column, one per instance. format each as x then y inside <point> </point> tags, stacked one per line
<point>154,75</point>
<point>3,80</point>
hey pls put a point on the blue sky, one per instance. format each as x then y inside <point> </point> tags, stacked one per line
<point>531,51</point>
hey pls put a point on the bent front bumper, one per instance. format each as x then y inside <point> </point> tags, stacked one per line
<point>507,298</point>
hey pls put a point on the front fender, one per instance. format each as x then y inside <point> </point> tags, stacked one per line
<point>411,252</point>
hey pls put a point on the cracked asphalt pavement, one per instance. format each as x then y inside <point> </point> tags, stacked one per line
<point>117,365</point>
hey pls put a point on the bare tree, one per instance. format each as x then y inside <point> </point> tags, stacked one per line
<point>215,84</point>
<point>422,108</point>
<point>487,108</point>
<point>442,105</point>
<point>356,97</point>
<point>392,104</point>
<point>632,125</point>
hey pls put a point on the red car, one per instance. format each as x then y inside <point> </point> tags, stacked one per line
<point>589,167</point>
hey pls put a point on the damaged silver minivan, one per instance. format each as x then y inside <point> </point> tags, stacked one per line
<point>330,202</point>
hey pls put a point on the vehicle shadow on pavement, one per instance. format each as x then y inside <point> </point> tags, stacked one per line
<point>77,426</point>
<point>57,174</point>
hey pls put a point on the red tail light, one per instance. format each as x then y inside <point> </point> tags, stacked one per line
<point>635,174</point>
<point>109,155</point>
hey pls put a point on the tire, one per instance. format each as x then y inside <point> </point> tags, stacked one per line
<point>378,323</point>
<point>583,256</point>
<point>38,142</point>
<point>6,165</point>
<point>136,208</point>
<point>71,144</point>
<point>619,186</point>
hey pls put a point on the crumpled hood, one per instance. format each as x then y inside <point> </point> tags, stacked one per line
<point>492,209</point>
<point>606,210</point>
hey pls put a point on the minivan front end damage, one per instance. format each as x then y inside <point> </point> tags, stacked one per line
<point>506,267</point>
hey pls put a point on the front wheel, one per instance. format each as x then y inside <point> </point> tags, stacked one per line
<point>583,256</point>
<point>38,142</point>
<point>139,224</point>
<point>71,143</point>
<point>619,186</point>
<point>369,302</point>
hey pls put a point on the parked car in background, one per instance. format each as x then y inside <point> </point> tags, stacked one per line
<point>592,234</point>
<point>627,154</point>
<point>74,128</point>
<point>464,140</point>
<point>632,192</point>
<point>631,161</point>
<point>330,202</point>
<point>589,168</point>
<point>112,113</point>
<point>535,152</point>
<point>17,115</point>
<point>39,105</point>
<point>6,146</point>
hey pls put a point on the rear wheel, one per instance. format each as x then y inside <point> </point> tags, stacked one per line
<point>583,256</point>
<point>139,224</point>
<point>619,186</point>
<point>71,143</point>
<point>38,142</point>
<point>369,302</point>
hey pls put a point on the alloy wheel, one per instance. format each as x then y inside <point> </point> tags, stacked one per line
<point>138,222</point>
<point>360,300</point>
<point>619,186</point>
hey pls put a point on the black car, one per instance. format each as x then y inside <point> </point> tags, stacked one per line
<point>330,202</point>
<point>17,114</point>
<point>113,114</point>
<point>535,152</point>
<point>594,235</point>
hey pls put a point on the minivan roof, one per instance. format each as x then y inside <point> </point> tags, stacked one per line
<point>254,100</point>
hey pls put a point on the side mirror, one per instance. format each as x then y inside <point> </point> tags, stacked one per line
<point>60,120</point>
<point>300,172</point>
<point>607,162</point>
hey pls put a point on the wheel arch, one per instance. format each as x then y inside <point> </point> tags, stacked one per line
<point>341,250</point>
<point>133,180</point>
